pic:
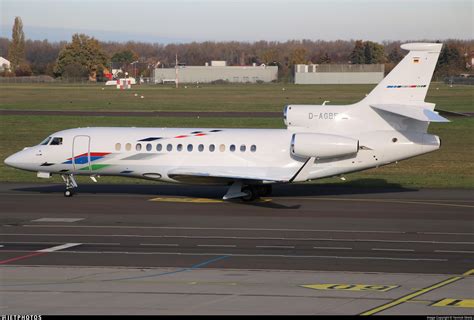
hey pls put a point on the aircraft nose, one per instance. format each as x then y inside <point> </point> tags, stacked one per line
<point>12,161</point>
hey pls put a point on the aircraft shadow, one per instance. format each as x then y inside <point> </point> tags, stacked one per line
<point>361,186</point>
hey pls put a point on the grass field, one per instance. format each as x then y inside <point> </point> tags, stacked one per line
<point>245,97</point>
<point>452,166</point>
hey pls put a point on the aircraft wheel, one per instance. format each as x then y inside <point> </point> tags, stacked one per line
<point>264,190</point>
<point>251,193</point>
<point>68,193</point>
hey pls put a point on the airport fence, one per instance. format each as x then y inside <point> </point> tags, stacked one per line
<point>459,80</point>
<point>42,79</point>
<point>49,79</point>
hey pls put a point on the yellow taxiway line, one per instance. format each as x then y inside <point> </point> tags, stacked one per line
<point>410,296</point>
<point>195,200</point>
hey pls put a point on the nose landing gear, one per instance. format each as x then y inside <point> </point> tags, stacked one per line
<point>70,184</point>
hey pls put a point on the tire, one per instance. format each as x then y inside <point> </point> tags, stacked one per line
<point>251,194</point>
<point>264,190</point>
<point>68,193</point>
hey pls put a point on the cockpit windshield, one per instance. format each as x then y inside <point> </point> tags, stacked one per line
<point>57,141</point>
<point>45,141</point>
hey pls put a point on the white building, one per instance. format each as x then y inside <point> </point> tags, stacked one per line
<point>339,73</point>
<point>4,64</point>
<point>217,70</point>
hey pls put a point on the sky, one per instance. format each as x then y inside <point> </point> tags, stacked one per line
<point>168,21</point>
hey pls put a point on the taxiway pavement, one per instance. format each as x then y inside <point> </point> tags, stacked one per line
<point>324,233</point>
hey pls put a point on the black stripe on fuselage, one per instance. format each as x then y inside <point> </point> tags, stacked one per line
<point>151,139</point>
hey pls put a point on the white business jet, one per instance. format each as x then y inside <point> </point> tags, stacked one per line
<point>388,125</point>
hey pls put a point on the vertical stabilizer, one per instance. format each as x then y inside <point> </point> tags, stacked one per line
<point>409,81</point>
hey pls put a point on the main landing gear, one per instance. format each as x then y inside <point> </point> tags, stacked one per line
<point>256,191</point>
<point>70,184</point>
<point>247,192</point>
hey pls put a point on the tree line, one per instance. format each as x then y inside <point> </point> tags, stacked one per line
<point>85,56</point>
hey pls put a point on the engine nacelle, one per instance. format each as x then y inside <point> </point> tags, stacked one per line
<point>322,146</point>
<point>308,116</point>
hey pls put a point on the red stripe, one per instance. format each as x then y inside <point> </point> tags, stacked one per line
<point>99,154</point>
<point>199,134</point>
<point>22,257</point>
<point>183,136</point>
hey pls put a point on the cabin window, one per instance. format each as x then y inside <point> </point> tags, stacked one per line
<point>222,148</point>
<point>243,148</point>
<point>56,141</point>
<point>169,147</point>
<point>138,147</point>
<point>190,147</point>
<point>201,148</point>
<point>159,147</point>
<point>253,148</point>
<point>128,146</point>
<point>118,146</point>
<point>148,147</point>
<point>232,148</point>
<point>45,141</point>
<point>212,147</point>
<point>180,147</point>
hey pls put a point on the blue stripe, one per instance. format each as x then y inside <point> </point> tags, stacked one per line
<point>83,160</point>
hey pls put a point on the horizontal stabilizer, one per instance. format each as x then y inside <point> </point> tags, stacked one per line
<point>451,113</point>
<point>419,113</point>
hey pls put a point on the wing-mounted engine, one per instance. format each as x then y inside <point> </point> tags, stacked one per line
<point>322,146</point>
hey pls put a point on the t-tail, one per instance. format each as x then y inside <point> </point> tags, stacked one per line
<point>403,90</point>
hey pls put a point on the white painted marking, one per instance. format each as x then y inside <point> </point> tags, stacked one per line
<point>390,249</point>
<point>454,251</point>
<point>43,242</point>
<point>217,245</point>
<point>421,202</point>
<point>1,245</point>
<point>160,244</point>
<point>241,238</point>
<point>61,247</point>
<point>333,248</point>
<point>230,229</point>
<point>449,233</point>
<point>276,247</point>
<point>58,220</point>
<point>246,255</point>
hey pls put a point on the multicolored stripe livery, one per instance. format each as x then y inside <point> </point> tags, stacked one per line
<point>83,158</point>
<point>407,86</point>
<point>192,134</point>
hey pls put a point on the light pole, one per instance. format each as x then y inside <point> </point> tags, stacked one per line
<point>134,70</point>
<point>176,71</point>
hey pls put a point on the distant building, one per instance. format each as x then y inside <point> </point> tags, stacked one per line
<point>339,73</point>
<point>4,64</point>
<point>217,70</point>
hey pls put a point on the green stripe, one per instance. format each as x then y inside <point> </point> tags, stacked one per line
<point>96,167</point>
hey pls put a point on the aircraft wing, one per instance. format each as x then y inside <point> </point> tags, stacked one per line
<point>218,177</point>
<point>420,113</point>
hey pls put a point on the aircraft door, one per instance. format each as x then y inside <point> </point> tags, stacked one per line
<point>81,153</point>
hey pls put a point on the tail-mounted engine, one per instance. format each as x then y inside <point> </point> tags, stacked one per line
<point>322,146</point>
<point>312,116</point>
